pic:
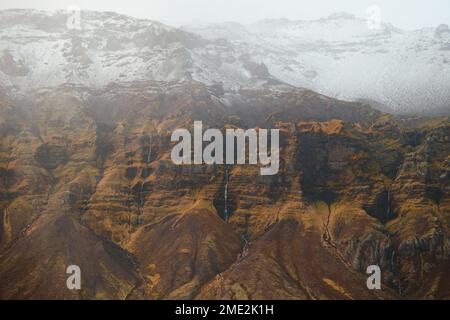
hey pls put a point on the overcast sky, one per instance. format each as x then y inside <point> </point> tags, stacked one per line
<point>406,14</point>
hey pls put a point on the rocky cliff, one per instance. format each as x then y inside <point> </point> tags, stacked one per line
<point>87,179</point>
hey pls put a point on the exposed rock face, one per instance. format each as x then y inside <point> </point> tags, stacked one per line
<point>87,179</point>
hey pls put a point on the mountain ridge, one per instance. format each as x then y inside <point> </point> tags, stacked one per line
<point>339,57</point>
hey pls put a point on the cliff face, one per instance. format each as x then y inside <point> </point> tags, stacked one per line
<point>87,179</point>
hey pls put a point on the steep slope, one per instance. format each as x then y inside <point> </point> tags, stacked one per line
<point>182,252</point>
<point>83,168</point>
<point>291,262</point>
<point>35,266</point>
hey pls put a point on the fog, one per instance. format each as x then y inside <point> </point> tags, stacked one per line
<point>406,14</point>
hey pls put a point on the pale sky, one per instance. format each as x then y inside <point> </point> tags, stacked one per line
<point>406,14</point>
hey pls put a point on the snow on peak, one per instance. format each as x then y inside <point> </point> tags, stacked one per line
<point>340,56</point>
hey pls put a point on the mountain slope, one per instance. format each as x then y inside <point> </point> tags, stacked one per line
<point>83,168</point>
<point>338,56</point>
<point>341,57</point>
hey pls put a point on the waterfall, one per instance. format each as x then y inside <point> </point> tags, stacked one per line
<point>226,194</point>
<point>140,204</point>
<point>141,188</point>
<point>388,204</point>
<point>149,149</point>
<point>244,250</point>
<point>149,155</point>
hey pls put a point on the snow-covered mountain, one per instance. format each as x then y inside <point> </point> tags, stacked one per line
<point>37,49</point>
<point>337,56</point>
<point>342,57</point>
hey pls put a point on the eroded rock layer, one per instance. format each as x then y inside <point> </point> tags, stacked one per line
<point>87,179</point>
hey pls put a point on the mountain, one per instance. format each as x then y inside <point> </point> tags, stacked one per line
<point>339,56</point>
<point>342,57</point>
<point>87,179</point>
<point>86,176</point>
<point>39,50</point>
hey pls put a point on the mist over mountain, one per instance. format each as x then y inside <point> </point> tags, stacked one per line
<point>339,56</point>
<point>87,177</point>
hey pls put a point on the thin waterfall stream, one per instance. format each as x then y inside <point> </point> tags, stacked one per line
<point>141,188</point>
<point>226,194</point>
<point>388,214</point>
